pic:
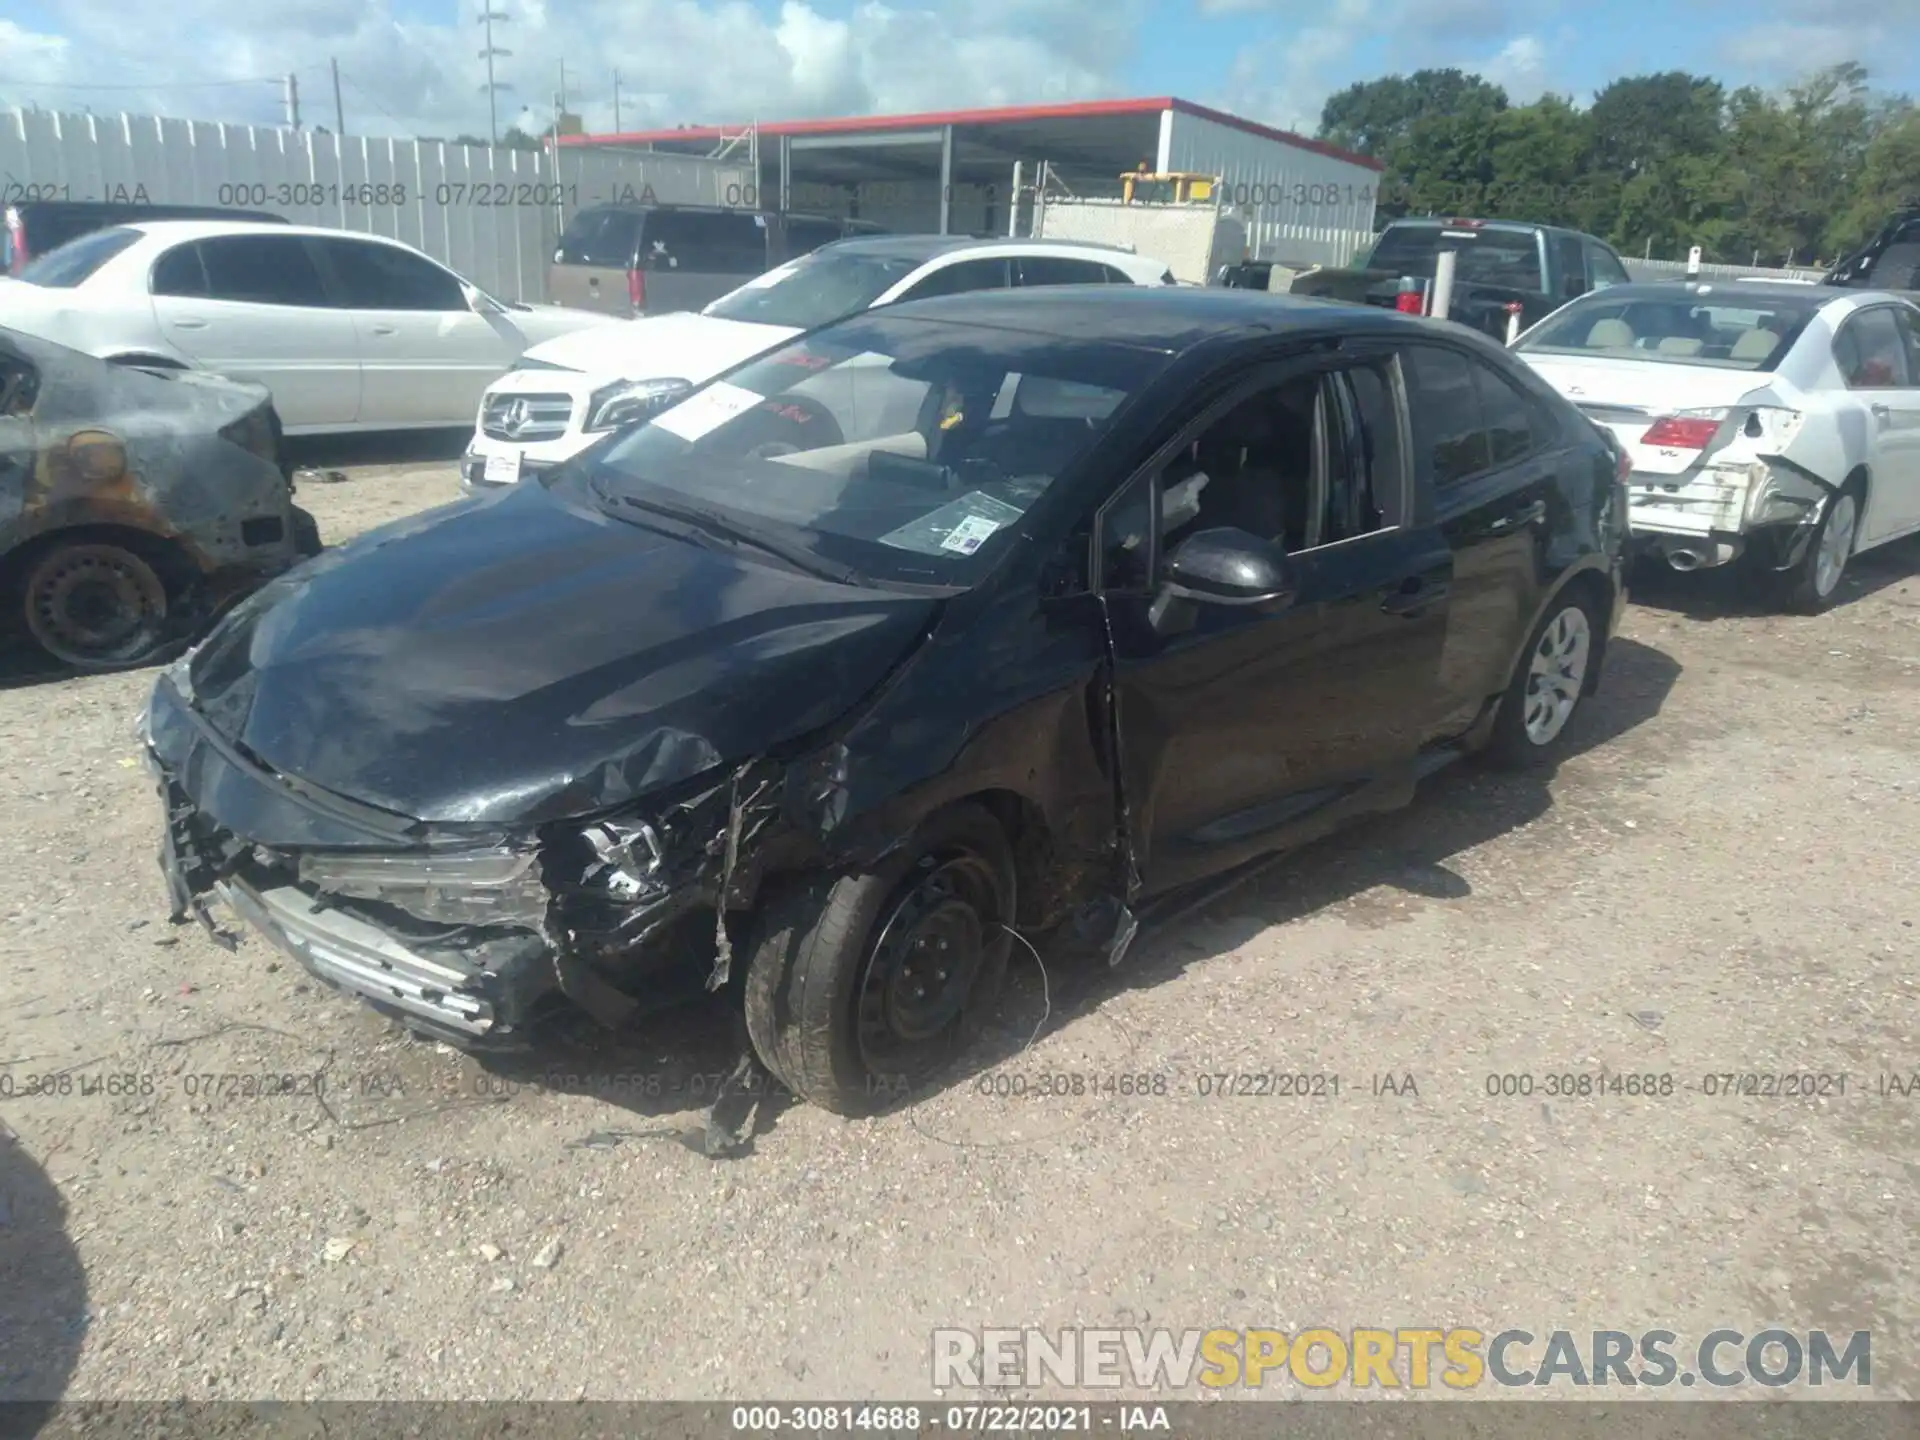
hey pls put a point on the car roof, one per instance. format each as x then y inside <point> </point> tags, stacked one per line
<point>1463,222</point>
<point>1169,318</point>
<point>1759,293</point>
<point>928,247</point>
<point>173,230</point>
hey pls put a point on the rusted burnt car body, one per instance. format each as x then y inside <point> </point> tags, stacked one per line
<point>133,506</point>
<point>967,618</point>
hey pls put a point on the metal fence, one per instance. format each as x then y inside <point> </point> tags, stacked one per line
<point>492,214</point>
<point>1671,269</point>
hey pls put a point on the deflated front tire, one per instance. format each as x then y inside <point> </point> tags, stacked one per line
<point>861,985</point>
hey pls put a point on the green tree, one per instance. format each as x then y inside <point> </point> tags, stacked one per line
<point>1376,117</point>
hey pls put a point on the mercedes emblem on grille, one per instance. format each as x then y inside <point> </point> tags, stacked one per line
<point>518,416</point>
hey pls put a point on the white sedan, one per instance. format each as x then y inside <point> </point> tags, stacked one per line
<point>349,332</point>
<point>563,397</point>
<point>1775,421</point>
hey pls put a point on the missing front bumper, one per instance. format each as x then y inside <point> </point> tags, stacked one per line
<point>349,954</point>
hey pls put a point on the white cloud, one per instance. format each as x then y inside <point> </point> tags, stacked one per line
<point>1786,50</point>
<point>1283,80</point>
<point>680,61</point>
<point>1520,68</point>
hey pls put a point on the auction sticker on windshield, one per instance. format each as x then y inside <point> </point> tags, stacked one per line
<point>970,534</point>
<point>960,527</point>
<point>772,277</point>
<point>708,410</point>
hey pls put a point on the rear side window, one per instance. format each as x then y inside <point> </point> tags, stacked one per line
<point>72,264</point>
<point>1872,351</point>
<point>1569,265</point>
<point>372,276</point>
<point>1449,436</point>
<point>1516,424</point>
<point>180,272</point>
<point>1115,276</point>
<point>262,270</point>
<point>1607,269</point>
<point>1060,270</point>
<point>960,278</point>
<point>705,242</point>
<point>600,237</point>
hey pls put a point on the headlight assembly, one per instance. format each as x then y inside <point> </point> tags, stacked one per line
<point>487,887</point>
<point>628,402</point>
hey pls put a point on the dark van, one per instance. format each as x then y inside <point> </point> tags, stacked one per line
<point>33,227</point>
<point>652,259</point>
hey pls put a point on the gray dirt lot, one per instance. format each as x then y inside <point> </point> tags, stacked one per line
<point>1722,879</point>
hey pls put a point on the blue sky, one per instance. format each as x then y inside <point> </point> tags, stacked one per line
<point>410,66</point>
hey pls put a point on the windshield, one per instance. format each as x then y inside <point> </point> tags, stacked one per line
<point>1509,258</point>
<point>1735,333</point>
<point>901,450</point>
<point>68,265</point>
<point>815,290</point>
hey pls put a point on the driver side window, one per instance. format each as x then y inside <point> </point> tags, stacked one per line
<point>1311,461</point>
<point>1258,468</point>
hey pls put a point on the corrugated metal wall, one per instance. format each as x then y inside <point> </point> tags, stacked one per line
<point>494,215</point>
<point>1301,207</point>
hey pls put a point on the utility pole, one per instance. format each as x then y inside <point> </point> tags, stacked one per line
<point>339,114</point>
<point>488,15</point>
<point>293,101</point>
<point>616,102</point>
<point>563,94</point>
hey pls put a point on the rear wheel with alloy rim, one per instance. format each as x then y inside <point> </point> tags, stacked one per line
<point>96,606</point>
<point>1547,685</point>
<point>1812,586</point>
<point>860,986</point>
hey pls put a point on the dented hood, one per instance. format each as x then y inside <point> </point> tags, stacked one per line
<point>522,658</point>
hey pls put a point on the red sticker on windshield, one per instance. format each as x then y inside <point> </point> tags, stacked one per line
<point>804,360</point>
<point>795,413</point>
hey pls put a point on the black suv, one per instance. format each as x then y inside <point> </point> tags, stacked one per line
<point>33,227</point>
<point>652,259</point>
<point>1889,261</point>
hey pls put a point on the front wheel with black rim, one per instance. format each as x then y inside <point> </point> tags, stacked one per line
<point>96,606</point>
<point>1813,584</point>
<point>861,986</point>
<point>1547,686</point>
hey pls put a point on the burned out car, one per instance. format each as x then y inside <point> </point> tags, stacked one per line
<point>133,506</point>
<point>970,617</point>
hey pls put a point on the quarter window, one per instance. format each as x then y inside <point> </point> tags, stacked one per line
<point>180,272</point>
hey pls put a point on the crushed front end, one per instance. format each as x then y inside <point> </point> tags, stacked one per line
<point>471,935</point>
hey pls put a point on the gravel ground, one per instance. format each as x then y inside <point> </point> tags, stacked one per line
<point>1722,879</point>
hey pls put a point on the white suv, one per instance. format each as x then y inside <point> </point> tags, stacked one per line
<point>566,394</point>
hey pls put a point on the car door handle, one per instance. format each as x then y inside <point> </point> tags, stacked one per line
<point>383,329</point>
<point>1883,411</point>
<point>1536,511</point>
<point>189,324</point>
<point>1415,596</point>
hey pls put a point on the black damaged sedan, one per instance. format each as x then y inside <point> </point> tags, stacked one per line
<point>1004,612</point>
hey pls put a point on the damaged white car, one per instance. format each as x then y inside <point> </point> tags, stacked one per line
<point>1780,423</point>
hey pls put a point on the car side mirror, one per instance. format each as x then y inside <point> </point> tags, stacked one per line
<point>1228,567</point>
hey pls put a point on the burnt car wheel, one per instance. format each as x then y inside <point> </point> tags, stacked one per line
<point>860,986</point>
<point>1547,685</point>
<point>95,605</point>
